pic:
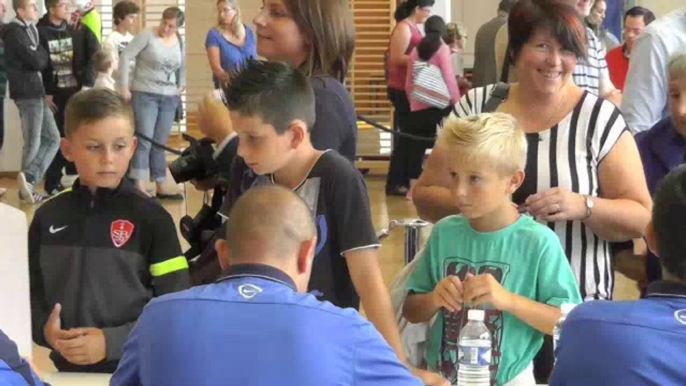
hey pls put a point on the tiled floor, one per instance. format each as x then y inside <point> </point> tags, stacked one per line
<point>383,209</point>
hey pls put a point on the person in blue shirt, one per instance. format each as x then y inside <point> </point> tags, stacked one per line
<point>14,371</point>
<point>256,325</point>
<point>636,342</point>
<point>230,43</point>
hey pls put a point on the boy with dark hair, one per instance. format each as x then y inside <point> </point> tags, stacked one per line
<point>125,16</point>
<point>100,251</point>
<point>59,79</point>
<point>25,59</point>
<point>272,109</point>
<point>641,341</point>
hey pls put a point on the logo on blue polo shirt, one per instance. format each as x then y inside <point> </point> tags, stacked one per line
<point>681,316</point>
<point>249,291</point>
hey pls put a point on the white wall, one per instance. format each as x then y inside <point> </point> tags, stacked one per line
<point>473,14</point>
<point>661,7</point>
<point>443,8</point>
<point>15,318</point>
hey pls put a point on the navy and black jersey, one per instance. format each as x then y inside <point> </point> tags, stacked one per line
<point>102,256</point>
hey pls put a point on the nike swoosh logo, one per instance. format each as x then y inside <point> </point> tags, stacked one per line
<point>54,230</point>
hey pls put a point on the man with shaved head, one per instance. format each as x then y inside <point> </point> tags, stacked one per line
<point>256,325</point>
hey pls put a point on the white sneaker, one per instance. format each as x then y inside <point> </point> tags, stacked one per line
<point>27,192</point>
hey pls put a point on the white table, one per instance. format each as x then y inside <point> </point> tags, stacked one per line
<point>76,379</point>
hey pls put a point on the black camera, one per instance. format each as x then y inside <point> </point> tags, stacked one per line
<point>196,162</point>
<point>192,228</point>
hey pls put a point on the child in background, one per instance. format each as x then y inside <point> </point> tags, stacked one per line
<point>105,64</point>
<point>456,39</point>
<point>489,256</point>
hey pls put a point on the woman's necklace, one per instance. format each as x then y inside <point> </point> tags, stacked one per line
<point>551,120</point>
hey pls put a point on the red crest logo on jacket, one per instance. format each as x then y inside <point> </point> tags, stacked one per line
<point>121,231</point>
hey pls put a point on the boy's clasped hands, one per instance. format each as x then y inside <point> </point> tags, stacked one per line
<point>451,293</point>
<point>80,346</point>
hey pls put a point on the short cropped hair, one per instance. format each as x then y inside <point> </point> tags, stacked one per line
<point>527,16</point>
<point>648,15</point>
<point>51,3</point>
<point>669,212</point>
<point>257,220</point>
<point>95,105</point>
<point>677,66</point>
<point>103,60</point>
<point>123,9</point>
<point>273,91</point>
<point>19,4</point>
<point>174,13</point>
<point>495,137</point>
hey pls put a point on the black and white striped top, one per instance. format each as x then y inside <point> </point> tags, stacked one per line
<point>569,155</point>
<point>587,75</point>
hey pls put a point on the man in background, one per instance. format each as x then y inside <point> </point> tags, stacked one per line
<point>635,21</point>
<point>485,69</point>
<point>646,83</point>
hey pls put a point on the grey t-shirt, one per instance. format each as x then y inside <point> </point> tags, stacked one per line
<point>159,69</point>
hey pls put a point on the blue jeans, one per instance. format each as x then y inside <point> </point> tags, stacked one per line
<point>41,138</point>
<point>154,119</point>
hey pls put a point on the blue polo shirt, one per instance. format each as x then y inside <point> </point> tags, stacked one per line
<point>14,371</point>
<point>253,328</point>
<point>639,342</point>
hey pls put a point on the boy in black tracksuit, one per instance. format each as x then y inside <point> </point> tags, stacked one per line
<point>59,79</point>
<point>98,252</point>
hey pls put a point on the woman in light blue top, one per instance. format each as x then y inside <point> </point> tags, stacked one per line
<point>230,43</point>
<point>158,81</point>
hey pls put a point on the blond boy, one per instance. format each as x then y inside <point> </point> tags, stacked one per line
<point>490,256</point>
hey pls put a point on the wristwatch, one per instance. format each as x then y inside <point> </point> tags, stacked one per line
<point>589,206</point>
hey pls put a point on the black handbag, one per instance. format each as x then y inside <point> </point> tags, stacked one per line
<point>179,115</point>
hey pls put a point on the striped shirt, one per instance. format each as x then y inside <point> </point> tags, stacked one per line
<point>587,74</point>
<point>569,155</point>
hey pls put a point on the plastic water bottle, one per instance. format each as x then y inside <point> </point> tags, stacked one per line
<point>474,352</point>
<point>565,309</point>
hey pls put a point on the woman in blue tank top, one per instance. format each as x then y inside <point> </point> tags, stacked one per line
<point>230,43</point>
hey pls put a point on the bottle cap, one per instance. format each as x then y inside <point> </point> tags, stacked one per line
<point>566,308</point>
<point>476,315</point>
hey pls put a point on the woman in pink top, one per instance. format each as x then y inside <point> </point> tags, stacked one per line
<point>404,38</point>
<point>424,118</point>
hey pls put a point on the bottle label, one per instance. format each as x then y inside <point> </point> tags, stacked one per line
<point>474,356</point>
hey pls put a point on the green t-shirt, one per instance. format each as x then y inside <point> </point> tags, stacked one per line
<point>525,257</point>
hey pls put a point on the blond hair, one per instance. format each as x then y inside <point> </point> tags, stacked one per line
<point>104,59</point>
<point>677,66</point>
<point>237,22</point>
<point>495,137</point>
